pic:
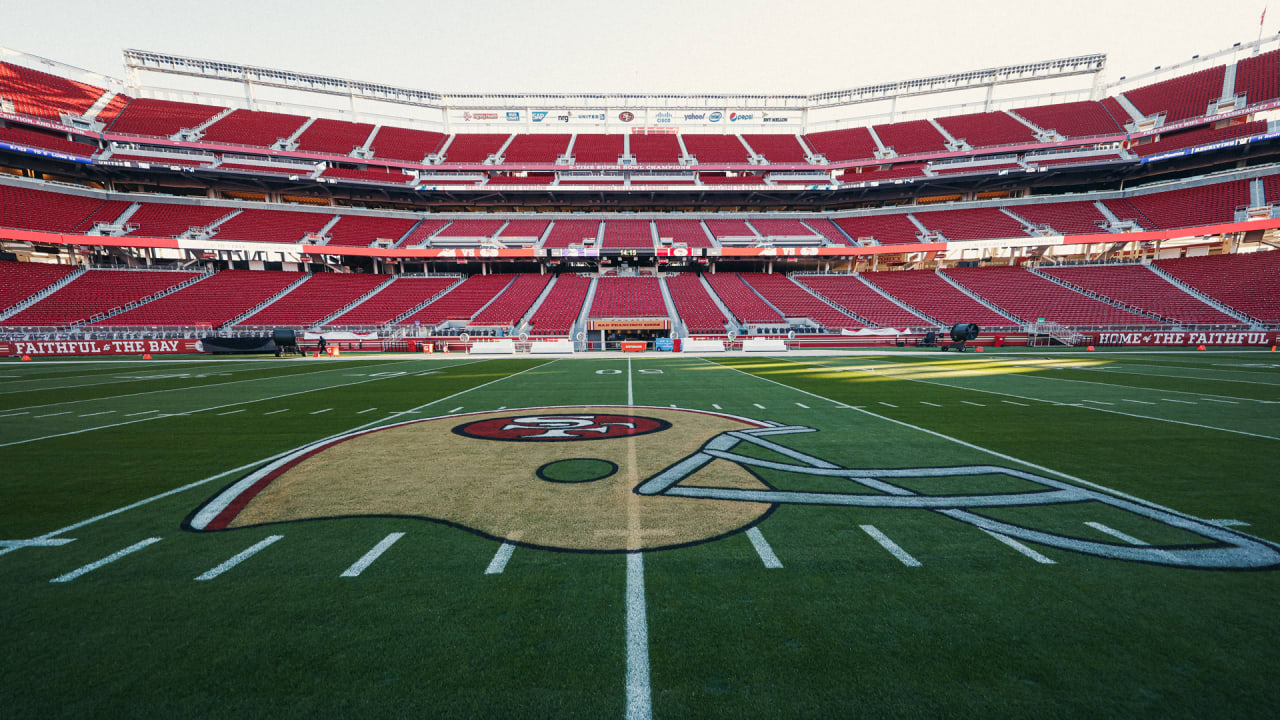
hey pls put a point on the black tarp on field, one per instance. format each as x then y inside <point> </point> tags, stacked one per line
<point>239,345</point>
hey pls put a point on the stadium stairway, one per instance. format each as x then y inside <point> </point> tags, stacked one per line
<point>352,305</point>
<point>422,305</point>
<point>42,294</point>
<point>523,325</point>
<point>1207,300</point>
<point>267,303</point>
<point>1100,298</point>
<point>581,324</point>
<point>982,301</point>
<point>730,320</point>
<point>672,316</point>
<point>143,301</point>
<point>897,302</point>
<point>834,305</point>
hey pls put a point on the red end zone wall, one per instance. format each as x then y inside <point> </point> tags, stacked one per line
<point>60,348</point>
<point>1170,338</point>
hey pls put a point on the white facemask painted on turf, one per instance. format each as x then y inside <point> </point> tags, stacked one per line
<point>1233,550</point>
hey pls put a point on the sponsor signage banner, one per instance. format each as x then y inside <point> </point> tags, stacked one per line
<point>1210,147</point>
<point>1162,337</point>
<point>55,348</point>
<point>46,153</point>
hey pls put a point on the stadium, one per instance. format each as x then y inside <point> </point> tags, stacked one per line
<point>930,396</point>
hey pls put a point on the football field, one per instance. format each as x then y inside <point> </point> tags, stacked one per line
<point>894,534</point>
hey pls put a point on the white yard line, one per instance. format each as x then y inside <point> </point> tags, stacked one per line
<point>256,463</point>
<point>1019,547</point>
<point>630,389</point>
<point>367,559</point>
<point>108,559</point>
<point>13,414</point>
<point>239,558</point>
<point>500,558</point>
<point>763,549</point>
<point>639,695</point>
<point>903,556</point>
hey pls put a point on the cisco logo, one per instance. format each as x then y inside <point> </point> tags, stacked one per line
<point>663,118</point>
<point>715,117</point>
<point>626,116</point>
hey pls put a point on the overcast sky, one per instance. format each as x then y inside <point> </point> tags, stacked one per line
<point>771,46</point>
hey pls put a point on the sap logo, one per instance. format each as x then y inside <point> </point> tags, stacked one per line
<point>513,117</point>
<point>716,117</point>
<point>695,116</point>
<point>735,117</point>
<point>539,115</point>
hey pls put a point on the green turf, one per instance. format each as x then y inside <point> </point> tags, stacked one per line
<point>843,628</point>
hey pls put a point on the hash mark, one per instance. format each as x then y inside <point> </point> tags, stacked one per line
<point>767,556</point>
<point>104,412</point>
<point>455,410</point>
<point>716,406</point>
<point>65,412</point>
<point>365,411</point>
<point>239,558</point>
<point>888,405</point>
<point>367,559</point>
<point>922,402</point>
<point>108,559</point>
<point>500,558</point>
<point>1019,547</point>
<point>759,406</point>
<point>144,412</point>
<point>806,407</point>
<point>273,412</point>
<point>320,411</point>
<point>1140,402</point>
<point>966,402</point>
<point>903,556</point>
<point>1183,402</point>
<point>1011,402</point>
<point>232,412</point>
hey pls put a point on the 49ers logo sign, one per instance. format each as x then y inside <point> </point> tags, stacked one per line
<point>561,428</point>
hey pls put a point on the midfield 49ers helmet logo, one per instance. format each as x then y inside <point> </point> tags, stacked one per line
<point>560,428</point>
<point>619,479</point>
